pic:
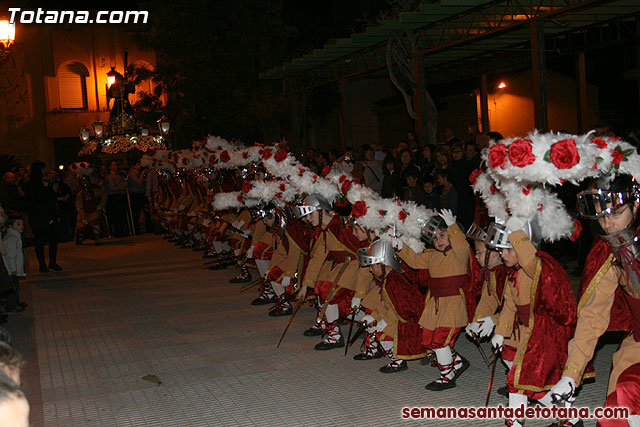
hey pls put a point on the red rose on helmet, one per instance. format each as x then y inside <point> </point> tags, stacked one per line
<point>575,230</point>
<point>342,178</point>
<point>280,155</point>
<point>246,187</point>
<point>359,209</point>
<point>245,155</point>
<point>564,154</point>
<point>520,153</point>
<point>473,178</point>
<point>278,196</point>
<point>402,215</point>
<point>240,198</point>
<point>600,143</point>
<point>301,171</point>
<point>498,156</point>
<point>266,153</point>
<point>282,187</point>
<point>617,157</point>
<point>345,186</point>
<point>212,159</point>
<point>325,171</point>
<point>493,189</point>
<point>224,156</point>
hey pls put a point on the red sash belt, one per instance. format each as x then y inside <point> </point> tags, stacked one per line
<point>522,315</point>
<point>634,304</point>
<point>446,286</point>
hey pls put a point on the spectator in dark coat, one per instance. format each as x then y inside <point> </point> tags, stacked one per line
<point>414,191</point>
<point>431,196</point>
<point>389,171</point>
<point>44,217</point>
<point>448,194</point>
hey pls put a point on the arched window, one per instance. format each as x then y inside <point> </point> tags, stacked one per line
<point>72,85</point>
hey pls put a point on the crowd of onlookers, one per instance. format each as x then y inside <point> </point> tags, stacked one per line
<point>435,176</point>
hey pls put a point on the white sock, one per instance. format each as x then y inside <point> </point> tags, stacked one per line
<point>444,356</point>
<point>516,400</point>
<point>332,313</point>
<point>263,266</point>
<point>278,288</point>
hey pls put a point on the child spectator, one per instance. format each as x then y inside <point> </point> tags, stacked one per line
<point>14,261</point>
<point>431,196</point>
<point>414,192</point>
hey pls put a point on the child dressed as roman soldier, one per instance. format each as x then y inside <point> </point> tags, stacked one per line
<point>290,256</point>
<point>393,307</point>
<point>539,311</point>
<point>332,268</point>
<point>445,309</point>
<point>492,276</point>
<point>609,296</point>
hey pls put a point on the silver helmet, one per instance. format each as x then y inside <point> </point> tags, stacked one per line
<point>476,232</point>
<point>379,252</point>
<point>605,197</point>
<point>311,203</point>
<point>430,228</point>
<point>498,234</point>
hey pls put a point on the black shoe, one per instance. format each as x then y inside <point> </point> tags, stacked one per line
<point>44,270</point>
<point>279,311</point>
<point>262,301</point>
<point>393,367</point>
<point>368,356</point>
<point>55,267</point>
<point>502,391</point>
<point>312,332</point>
<point>330,345</point>
<point>241,279</point>
<point>439,385</point>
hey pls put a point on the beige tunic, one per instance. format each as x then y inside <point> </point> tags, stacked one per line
<point>449,312</point>
<point>593,319</point>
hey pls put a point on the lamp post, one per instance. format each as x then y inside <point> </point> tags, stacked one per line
<point>98,129</point>
<point>163,125</point>
<point>84,134</point>
<point>7,37</point>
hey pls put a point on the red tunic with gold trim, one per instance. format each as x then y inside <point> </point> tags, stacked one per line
<point>540,309</point>
<point>607,302</point>
<point>334,259</point>
<point>291,253</point>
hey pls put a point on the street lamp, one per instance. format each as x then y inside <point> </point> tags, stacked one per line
<point>111,76</point>
<point>163,125</point>
<point>7,33</point>
<point>98,129</point>
<point>84,134</point>
<point>7,37</point>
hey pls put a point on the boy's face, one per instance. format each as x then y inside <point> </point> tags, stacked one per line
<point>376,270</point>
<point>441,240</point>
<point>481,250</point>
<point>616,221</point>
<point>509,257</point>
<point>313,218</point>
<point>360,233</point>
<point>428,187</point>
<point>411,181</point>
<point>18,225</point>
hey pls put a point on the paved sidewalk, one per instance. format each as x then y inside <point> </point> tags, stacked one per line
<point>132,308</point>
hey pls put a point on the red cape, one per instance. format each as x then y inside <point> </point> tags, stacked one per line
<point>552,320</point>
<point>408,303</point>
